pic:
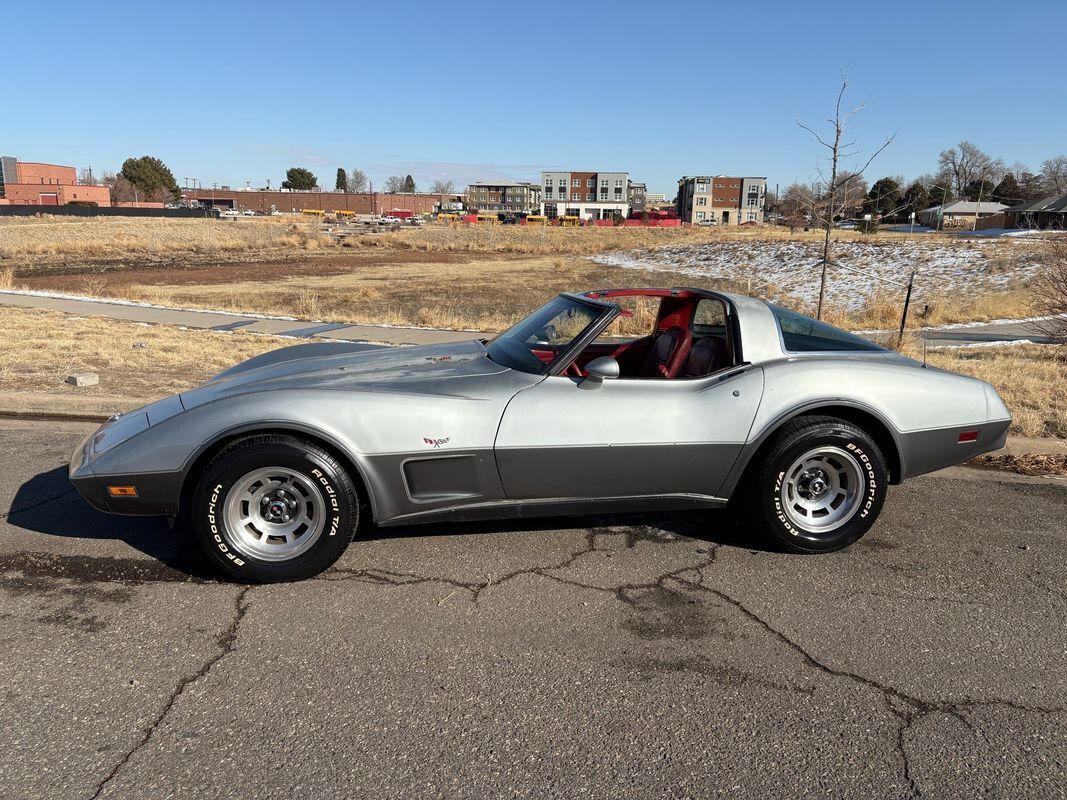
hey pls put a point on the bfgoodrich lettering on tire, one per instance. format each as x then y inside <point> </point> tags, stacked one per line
<point>274,508</point>
<point>820,487</point>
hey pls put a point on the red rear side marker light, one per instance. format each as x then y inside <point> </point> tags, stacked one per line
<point>967,437</point>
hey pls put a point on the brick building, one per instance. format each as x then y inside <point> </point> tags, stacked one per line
<point>721,199</point>
<point>36,184</point>
<point>264,202</point>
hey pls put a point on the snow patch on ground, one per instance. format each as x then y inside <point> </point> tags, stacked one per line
<point>793,267</point>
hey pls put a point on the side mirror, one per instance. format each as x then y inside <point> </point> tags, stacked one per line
<point>599,369</point>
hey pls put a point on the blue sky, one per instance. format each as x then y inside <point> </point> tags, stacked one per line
<point>238,91</point>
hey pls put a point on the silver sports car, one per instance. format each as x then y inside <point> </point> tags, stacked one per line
<point>623,400</point>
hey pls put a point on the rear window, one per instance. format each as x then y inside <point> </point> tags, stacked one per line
<point>802,334</point>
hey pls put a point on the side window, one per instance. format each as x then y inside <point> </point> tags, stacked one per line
<point>637,320</point>
<point>802,334</point>
<point>709,319</point>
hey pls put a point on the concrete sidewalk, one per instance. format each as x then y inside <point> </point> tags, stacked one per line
<point>225,321</point>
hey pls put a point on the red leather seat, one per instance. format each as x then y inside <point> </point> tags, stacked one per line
<point>669,352</point>
<point>708,355</point>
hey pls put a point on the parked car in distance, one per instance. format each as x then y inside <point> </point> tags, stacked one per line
<point>248,213</point>
<point>725,399</point>
<point>230,212</point>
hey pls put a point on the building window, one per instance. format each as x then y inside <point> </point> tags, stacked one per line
<point>753,200</point>
<point>576,183</point>
<point>589,184</point>
<point>603,193</point>
<point>576,196</point>
<point>618,192</point>
<point>618,182</point>
<point>604,183</point>
<point>751,216</point>
<point>562,182</point>
<point>700,216</point>
<point>590,197</point>
<point>702,187</point>
<point>702,201</point>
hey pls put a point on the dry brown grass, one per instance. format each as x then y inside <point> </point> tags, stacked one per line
<point>485,294</point>
<point>547,240</point>
<point>1032,380</point>
<point>882,311</point>
<point>38,349</point>
<point>33,242</point>
<point>1026,464</point>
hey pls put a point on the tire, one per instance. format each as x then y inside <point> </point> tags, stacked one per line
<point>272,508</point>
<point>820,486</point>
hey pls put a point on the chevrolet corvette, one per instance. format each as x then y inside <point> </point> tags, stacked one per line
<point>717,399</point>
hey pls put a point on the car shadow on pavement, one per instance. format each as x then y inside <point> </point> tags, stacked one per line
<point>715,527</point>
<point>47,503</point>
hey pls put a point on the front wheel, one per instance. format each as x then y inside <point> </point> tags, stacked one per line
<point>274,508</point>
<point>820,487</point>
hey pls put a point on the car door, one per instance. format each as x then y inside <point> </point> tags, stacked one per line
<point>629,437</point>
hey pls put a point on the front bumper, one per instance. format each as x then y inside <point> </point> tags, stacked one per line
<point>157,492</point>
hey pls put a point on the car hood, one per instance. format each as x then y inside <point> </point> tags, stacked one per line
<point>344,366</point>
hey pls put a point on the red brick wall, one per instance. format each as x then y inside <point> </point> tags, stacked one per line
<point>360,203</point>
<point>30,193</point>
<point>34,172</point>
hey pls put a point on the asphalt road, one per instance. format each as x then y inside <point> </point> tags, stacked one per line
<point>625,657</point>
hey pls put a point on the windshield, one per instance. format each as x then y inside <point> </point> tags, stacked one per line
<point>534,343</point>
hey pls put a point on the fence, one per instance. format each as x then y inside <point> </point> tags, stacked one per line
<point>105,211</point>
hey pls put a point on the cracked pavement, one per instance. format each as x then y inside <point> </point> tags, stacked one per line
<point>657,655</point>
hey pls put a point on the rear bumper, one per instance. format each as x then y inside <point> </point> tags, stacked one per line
<point>929,450</point>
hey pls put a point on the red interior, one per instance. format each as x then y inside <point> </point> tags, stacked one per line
<point>676,312</point>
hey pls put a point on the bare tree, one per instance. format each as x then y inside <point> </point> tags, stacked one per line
<point>443,187</point>
<point>837,183</point>
<point>357,181</point>
<point>965,163</point>
<point>1054,175</point>
<point>795,206</point>
<point>1051,291</point>
<point>394,184</point>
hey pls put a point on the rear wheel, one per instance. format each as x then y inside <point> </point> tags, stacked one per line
<point>820,487</point>
<point>274,508</point>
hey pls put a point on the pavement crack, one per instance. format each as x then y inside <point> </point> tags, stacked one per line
<point>37,504</point>
<point>227,641</point>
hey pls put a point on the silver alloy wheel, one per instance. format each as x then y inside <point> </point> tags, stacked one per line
<point>274,514</point>
<point>822,489</point>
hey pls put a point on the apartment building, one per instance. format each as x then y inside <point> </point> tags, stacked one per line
<point>504,196</point>
<point>721,199</point>
<point>638,192</point>
<point>588,195</point>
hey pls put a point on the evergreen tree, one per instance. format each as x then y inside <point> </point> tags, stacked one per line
<point>299,178</point>
<point>916,199</point>
<point>883,198</point>
<point>982,188</point>
<point>341,184</point>
<point>409,184</point>
<point>151,177</point>
<point>1007,191</point>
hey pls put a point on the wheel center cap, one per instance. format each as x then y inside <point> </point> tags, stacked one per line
<point>276,509</point>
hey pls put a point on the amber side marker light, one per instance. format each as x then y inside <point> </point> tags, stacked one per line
<point>122,491</point>
<point>967,437</point>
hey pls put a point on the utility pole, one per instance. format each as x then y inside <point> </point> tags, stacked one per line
<point>977,208</point>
